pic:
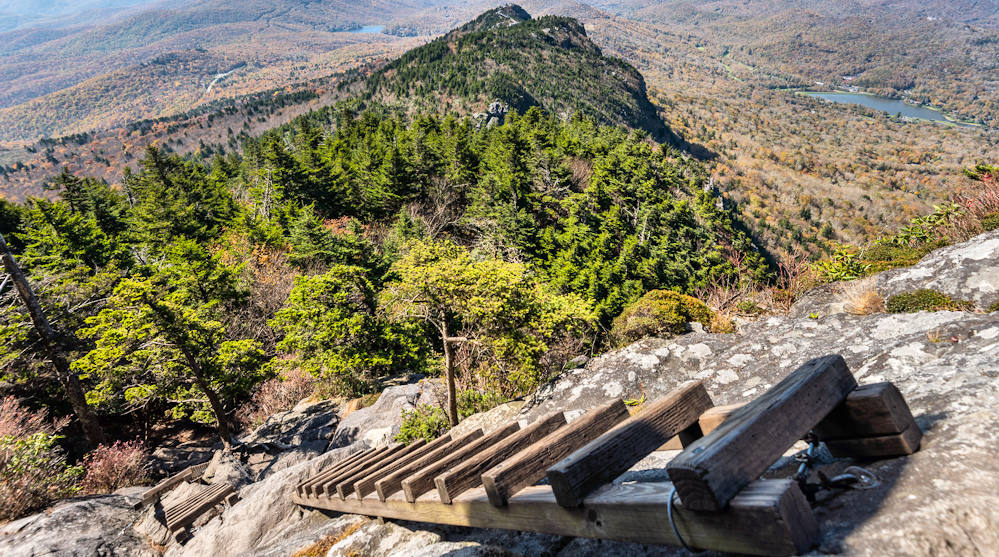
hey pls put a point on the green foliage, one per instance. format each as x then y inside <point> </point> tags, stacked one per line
<point>843,265</point>
<point>661,313</point>
<point>172,198</point>
<point>161,336</point>
<point>33,473</point>
<point>925,300</point>
<point>924,229</point>
<point>497,305</point>
<point>990,221</point>
<point>426,421</point>
<point>885,256</point>
<point>471,401</point>
<point>547,62</point>
<point>330,329</point>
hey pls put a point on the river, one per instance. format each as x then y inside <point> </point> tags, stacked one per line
<point>891,106</point>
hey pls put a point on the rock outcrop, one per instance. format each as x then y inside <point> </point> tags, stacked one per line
<point>100,525</point>
<point>965,271</point>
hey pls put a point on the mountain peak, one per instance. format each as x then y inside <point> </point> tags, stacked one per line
<point>507,15</point>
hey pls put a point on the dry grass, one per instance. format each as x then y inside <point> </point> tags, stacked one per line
<point>322,546</point>
<point>861,297</point>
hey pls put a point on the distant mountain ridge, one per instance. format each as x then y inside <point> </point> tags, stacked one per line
<point>506,55</point>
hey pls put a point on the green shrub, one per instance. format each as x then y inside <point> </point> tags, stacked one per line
<point>994,307</point>
<point>661,313</point>
<point>471,402</point>
<point>990,221</point>
<point>883,257</point>
<point>925,300</point>
<point>33,468</point>
<point>843,265</point>
<point>426,421</point>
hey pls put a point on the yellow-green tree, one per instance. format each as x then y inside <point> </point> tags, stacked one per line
<point>495,304</point>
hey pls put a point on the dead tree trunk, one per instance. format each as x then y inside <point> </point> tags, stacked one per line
<point>50,341</point>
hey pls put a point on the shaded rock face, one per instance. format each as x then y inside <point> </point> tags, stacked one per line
<point>966,271</point>
<point>100,525</point>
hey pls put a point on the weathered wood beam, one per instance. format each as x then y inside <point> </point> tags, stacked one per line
<point>873,421</point>
<point>422,480</point>
<point>709,420</point>
<point>337,467</point>
<point>880,446</point>
<point>345,485</point>
<point>467,474</point>
<point>613,453</point>
<point>528,466</point>
<point>196,506</point>
<point>366,484</point>
<point>769,517</point>
<point>712,470</point>
<point>329,485</point>
<point>393,482</point>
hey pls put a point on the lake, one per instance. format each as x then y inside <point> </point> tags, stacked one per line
<point>369,29</point>
<point>891,106</point>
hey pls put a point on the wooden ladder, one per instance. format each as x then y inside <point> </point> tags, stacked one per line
<point>490,480</point>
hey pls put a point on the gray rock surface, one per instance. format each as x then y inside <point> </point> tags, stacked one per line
<point>265,516</point>
<point>377,424</point>
<point>489,420</point>
<point>966,271</point>
<point>100,525</point>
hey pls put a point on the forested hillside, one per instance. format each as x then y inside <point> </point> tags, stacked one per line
<point>505,55</point>
<point>352,244</point>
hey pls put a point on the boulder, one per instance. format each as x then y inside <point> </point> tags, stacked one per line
<point>966,271</point>
<point>489,420</point>
<point>99,525</point>
<point>377,424</point>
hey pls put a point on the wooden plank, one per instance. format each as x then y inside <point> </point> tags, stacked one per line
<point>329,485</point>
<point>528,466</point>
<point>394,481</point>
<point>191,514</point>
<point>713,469</point>
<point>883,446</point>
<point>709,420</point>
<point>179,508</point>
<point>182,507</point>
<point>337,467</point>
<point>768,517</point>
<point>167,484</point>
<point>467,474</point>
<point>422,480</point>
<point>869,411</point>
<point>366,485</point>
<point>313,485</point>
<point>613,453</point>
<point>346,484</point>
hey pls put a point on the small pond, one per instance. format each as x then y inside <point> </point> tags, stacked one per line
<point>891,106</point>
<point>369,29</point>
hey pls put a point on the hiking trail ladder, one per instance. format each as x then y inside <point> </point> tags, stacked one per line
<point>490,480</point>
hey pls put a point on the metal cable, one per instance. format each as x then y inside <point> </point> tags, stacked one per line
<point>672,523</point>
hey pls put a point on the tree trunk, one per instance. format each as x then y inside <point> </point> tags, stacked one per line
<point>213,398</point>
<point>452,397</point>
<point>50,341</point>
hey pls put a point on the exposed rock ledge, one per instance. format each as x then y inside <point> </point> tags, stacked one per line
<point>944,500</point>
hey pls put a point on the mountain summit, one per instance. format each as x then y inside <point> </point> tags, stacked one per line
<point>506,55</point>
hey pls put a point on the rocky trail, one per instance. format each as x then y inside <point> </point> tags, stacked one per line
<point>943,500</point>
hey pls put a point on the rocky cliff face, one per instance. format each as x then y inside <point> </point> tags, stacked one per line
<point>944,500</point>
